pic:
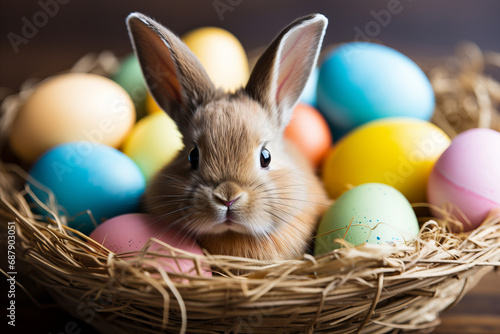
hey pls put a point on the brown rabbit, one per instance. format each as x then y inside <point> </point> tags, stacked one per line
<point>237,185</point>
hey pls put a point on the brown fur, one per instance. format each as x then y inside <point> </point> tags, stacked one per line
<point>276,209</point>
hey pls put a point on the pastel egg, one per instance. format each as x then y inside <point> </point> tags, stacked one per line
<point>129,76</point>
<point>360,82</point>
<point>372,213</point>
<point>131,232</point>
<point>466,178</point>
<point>308,95</point>
<point>222,56</point>
<point>309,132</point>
<point>72,107</point>
<point>89,176</point>
<point>151,105</point>
<point>396,151</point>
<point>153,143</point>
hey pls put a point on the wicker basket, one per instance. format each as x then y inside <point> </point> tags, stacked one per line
<point>367,289</point>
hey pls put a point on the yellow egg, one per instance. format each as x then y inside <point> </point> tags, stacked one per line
<point>72,107</point>
<point>222,56</point>
<point>153,143</point>
<point>399,152</point>
<point>151,106</point>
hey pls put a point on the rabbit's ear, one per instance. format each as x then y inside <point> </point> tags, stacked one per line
<point>282,71</point>
<point>174,76</point>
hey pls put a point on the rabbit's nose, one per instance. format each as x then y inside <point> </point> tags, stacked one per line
<point>228,203</point>
<point>227,193</point>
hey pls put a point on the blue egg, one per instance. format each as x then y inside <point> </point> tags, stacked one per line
<point>359,82</point>
<point>89,176</point>
<point>308,95</point>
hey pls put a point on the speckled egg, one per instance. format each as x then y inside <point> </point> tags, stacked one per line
<point>372,213</point>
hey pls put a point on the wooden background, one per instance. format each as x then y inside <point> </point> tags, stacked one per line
<point>424,30</point>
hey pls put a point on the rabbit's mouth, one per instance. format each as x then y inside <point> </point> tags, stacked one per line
<point>233,222</point>
<point>228,225</point>
<point>230,217</point>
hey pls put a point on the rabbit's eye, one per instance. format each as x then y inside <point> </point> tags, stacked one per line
<point>265,157</point>
<point>194,157</point>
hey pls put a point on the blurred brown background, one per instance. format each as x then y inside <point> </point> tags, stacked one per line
<point>420,29</point>
<point>64,30</point>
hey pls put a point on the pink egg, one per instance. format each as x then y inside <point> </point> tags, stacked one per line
<point>130,232</point>
<point>467,176</point>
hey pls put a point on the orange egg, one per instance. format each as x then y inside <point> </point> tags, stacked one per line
<point>309,131</point>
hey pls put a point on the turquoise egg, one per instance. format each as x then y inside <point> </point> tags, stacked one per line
<point>372,213</point>
<point>129,76</point>
<point>359,82</point>
<point>308,95</point>
<point>89,176</point>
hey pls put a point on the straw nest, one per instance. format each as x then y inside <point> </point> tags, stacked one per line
<point>367,289</point>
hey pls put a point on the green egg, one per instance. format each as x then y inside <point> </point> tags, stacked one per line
<point>372,213</point>
<point>129,76</point>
